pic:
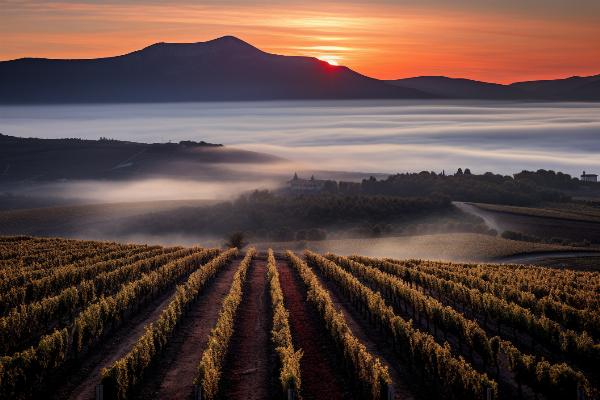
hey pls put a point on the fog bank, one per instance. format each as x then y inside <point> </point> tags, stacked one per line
<point>372,136</point>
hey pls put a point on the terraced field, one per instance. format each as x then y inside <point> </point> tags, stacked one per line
<point>85,320</point>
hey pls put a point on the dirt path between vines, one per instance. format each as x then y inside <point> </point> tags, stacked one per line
<point>321,377</point>
<point>173,375</point>
<point>374,341</point>
<point>81,385</point>
<point>249,368</point>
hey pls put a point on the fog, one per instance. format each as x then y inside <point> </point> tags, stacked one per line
<point>368,136</point>
<point>458,247</point>
<point>146,190</point>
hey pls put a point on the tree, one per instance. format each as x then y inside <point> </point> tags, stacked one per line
<point>236,239</point>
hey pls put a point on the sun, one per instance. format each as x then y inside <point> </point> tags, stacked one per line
<point>329,59</point>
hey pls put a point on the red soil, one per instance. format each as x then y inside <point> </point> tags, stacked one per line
<point>249,369</point>
<point>173,375</point>
<point>373,340</point>
<point>321,377</point>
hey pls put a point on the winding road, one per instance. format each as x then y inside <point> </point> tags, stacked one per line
<point>474,210</point>
<point>530,258</point>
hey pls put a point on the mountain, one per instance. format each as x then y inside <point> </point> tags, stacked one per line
<point>223,69</point>
<point>459,88</point>
<point>570,89</point>
<point>442,86</point>
<point>573,88</point>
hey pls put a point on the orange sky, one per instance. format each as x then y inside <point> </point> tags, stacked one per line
<point>499,41</point>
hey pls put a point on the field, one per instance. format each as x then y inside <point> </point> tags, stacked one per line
<point>472,247</point>
<point>85,320</point>
<point>574,222</point>
<point>565,211</point>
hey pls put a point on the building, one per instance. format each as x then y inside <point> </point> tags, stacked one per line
<point>312,185</point>
<point>589,177</point>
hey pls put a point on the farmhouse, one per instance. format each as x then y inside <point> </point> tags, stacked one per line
<point>312,185</point>
<point>589,177</point>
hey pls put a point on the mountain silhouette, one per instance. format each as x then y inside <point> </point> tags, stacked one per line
<point>569,89</point>
<point>229,69</point>
<point>573,88</point>
<point>222,69</point>
<point>442,86</point>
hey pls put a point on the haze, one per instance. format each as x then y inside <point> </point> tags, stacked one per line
<point>364,136</point>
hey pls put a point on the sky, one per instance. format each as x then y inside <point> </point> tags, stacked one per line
<point>496,41</point>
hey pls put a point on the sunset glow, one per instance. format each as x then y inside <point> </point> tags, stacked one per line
<point>383,39</point>
<point>332,60</point>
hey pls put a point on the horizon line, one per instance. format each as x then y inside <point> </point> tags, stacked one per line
<point>569,76</point>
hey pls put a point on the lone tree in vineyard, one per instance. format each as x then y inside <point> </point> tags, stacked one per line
<point>236,239</point>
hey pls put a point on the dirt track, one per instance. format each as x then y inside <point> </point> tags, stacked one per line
<point>173,375</point>
<point>249,366</point>
<point>321,377</point>
<point>373,340</point>
<point>81,385</point>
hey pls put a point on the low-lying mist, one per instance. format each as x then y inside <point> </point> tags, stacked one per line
<point>149,190</point>
<point>370,136</point>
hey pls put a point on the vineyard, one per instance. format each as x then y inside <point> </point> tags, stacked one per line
<point>101,320</point>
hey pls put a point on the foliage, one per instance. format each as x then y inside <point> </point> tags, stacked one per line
<point>120,378</point>
<point>268,215</point>
<point>454,375</point>
<point>372,376</point>
<point>237,240</point>
<point>281,335</point>
<point>571,344</point>
<point>524,188</point>
<point>22,372</point>
<point>210,367</point>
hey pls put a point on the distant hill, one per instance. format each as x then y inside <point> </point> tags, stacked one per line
<point>442,86</point>
<point>574,88</point>
<point>226,68</point>
<point>28,160</point>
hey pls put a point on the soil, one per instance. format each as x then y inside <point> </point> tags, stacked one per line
<point>173,375</point>
<point>249,370</point>
<point>374,341</point>
<point>321,377</point>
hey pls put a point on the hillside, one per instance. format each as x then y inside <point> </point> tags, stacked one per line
<point>151,322</point>
<point>31,159</point>
<point>574,88</point>
<point>226,68</point>
<point>442,86</point>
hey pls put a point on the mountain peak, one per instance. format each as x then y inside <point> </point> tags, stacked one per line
<point>224,44</point>
<point>230,40</point>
